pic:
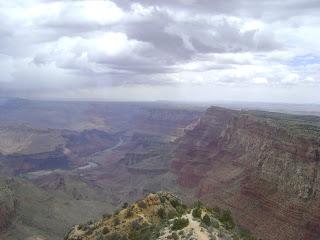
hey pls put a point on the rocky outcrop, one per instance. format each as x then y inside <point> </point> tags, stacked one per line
<point>161,216</point>
<point>264,166</point>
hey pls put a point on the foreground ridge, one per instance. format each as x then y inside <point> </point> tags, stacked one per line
<point>161,216</point>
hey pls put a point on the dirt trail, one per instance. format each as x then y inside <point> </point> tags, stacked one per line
<point>199,232</point>
<point>194,227</point>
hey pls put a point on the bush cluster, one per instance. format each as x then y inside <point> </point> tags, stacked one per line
<point>172,214</point>
<point>179,223</point>
<point>105,230</point>
<point>115,236</point>
<point>129,213</point>
<point>225,218</point>
<point>145,232</point>
<point>245,234</point>
<point>142,204</point>
<point>125,205</point>
<point>174,236</point>
<point>196,212</point>
<point>206,220</point>
<point>161,213</point>
<point>175,203</point>
<point>116,221</point>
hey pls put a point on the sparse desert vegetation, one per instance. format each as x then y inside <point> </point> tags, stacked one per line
<point>149,221</point>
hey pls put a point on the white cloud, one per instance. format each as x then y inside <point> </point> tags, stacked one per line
<point>291,78</point>
<point>78,13</point>
<point>260,80</point>
<point>84,53</point>
<point>310,80</point>
<point>84,44</point>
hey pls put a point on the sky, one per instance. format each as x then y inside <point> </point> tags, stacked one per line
<point>144,50</point>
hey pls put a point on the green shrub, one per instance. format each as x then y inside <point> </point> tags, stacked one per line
<point>106,216</point>
<point>116,221</point>
<point>100,237</point>
<point>142,204</point>
<point>226,219</point>
<point>105,230</point>
<point>181,209</point>
<point>161,213</point>
<point>116,236</point>
<point>179,223</point>
<point>174,236</point>
<point>162,199</point>
<point>196,213</point>
<point>215,224</point>
<point>172,214</point>
<point>145,232</point>
<point>125,205</point>
<point>245,234</point>
<point>184,206</point>
<point>216,210</point>
<point>210,210</point>
<point>175,203</point>
<point>198,204</point>
<point>83,227</point>
<point>206,220</point>
<point>129,213</point>
<point>89,231</point>
<point>135,225</point>
<point>116,212</point>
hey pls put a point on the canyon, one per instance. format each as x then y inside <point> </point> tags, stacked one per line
<point>82,160</point>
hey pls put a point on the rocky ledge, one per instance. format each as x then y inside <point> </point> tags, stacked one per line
<point>161,216</point>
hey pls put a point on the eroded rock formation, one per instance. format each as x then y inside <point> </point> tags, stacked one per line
<point>264,166</point>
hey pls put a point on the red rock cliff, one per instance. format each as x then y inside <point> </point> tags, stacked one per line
<point>264,167</point>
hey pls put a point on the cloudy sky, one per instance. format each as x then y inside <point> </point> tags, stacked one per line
<point>191,50</point>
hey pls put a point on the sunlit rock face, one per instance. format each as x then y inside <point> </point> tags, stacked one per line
<point>264,166</point>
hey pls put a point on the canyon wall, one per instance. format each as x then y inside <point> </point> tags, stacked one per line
<point>263,166</point>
